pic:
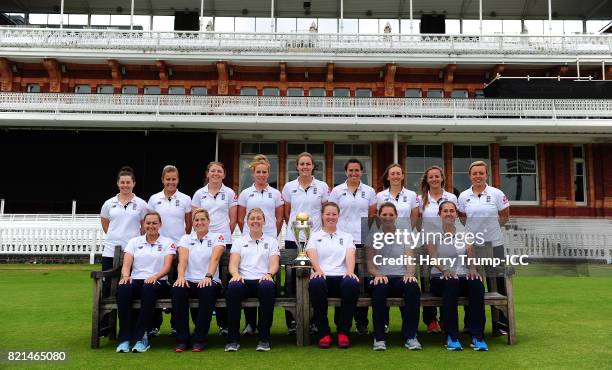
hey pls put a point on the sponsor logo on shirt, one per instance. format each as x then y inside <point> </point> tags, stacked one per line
<point>505,199</point>
<point>252,195</point>
<point>172,246</point>
<point>468,200</point>
<point>114,205</point>
<point>245,246</point>
<point>159,202</point>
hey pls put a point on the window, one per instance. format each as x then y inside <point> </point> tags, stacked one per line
<point>363,93</point>
<point>479,94</point>
<point>459,94</point>
<point>247,152</point>
<point>271,91</point>
<point>105,89</point>
<point>82,89</point>
<point>295,91</point>
<point>152,90</point>
<point>248,91</point>
<point>463,156</point>
<point>418,159</point>
<point>343,152</point>
<point>199,90</point>
<point>342,93</point>
<point>129,89</point>
<point>317,91</point>
<point>413,93</point>
<point>33,88</point>
<point>580,185</point>
<point>517,173</point>
<point>318,152</point>
<point>435,93</point>
<point>176,90</point>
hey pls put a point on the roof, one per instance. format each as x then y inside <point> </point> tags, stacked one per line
<point>454,9</point>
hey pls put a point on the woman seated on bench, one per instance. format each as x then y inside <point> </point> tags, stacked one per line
<point>332,254</point>
<point>149,258</point>
<point>198,277</point>
<point>452,278</point>
<point>254,260</point>
<point>392,280</point>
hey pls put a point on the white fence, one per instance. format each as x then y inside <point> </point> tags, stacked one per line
<point>202,43</point>
<point>548,239</point>
<point>172,105</point>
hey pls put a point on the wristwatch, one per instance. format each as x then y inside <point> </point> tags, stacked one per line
<point>209,275</point>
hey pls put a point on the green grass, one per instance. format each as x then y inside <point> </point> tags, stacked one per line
<point>563,322</point>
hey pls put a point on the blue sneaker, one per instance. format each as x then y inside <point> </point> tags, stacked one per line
<point>142,345</point>
<point>453,345</point>
<point>123,347</point>
<point>479,344</point>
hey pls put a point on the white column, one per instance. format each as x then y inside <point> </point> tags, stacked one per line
<point>217,146</point>
<point>61,14</point>
<point>73,208</point>
<point>550,17</point>
<point>1,206</point>
<point>132,15</point>
<point>603,71</point>
<point>480,15</point>
<point>578,67</point>
<point>202,15</point>
<point>272,16</point>
<point>395,148</point>
<point>411,27</point>
<point>342,17</point>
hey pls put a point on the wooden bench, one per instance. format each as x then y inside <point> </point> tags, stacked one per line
<point>295,299</point>
<point>497,302</point>
<point>285,296</point>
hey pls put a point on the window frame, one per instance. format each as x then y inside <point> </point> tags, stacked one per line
<point>406,169</point>
<point>575,161</point>
<point>249,157</point>
<point>290,161</point>
<point>535,202</point>
<point>344,157</point>
<point>465,172</point>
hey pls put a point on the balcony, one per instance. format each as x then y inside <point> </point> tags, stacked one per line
<point>213,46</point>
<point>306,113</point>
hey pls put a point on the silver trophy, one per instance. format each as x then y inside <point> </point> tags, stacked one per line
<point>301,226</point>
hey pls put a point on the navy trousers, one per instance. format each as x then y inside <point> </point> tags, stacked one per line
<point>207,297</point>
<point>333,286</point>
<point>236,292</point>
<point>450,290</point>
<point>134,328</point>
<point>410,312</point>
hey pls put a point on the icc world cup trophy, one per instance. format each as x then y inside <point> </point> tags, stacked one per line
<point>302,227</point>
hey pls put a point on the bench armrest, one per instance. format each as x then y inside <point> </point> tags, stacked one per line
<point>114,272</point>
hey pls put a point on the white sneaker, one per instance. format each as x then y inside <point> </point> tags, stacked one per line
<point>379,345</point>
<point>248,330</point>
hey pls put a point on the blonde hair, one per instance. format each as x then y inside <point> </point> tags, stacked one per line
<point>169,168</point>
<point>259,159</point>
<point>478,163</point>
<point>256,210</point>
<point>200,210</point>
<point>425,186</point>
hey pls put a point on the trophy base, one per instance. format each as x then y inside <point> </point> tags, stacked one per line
<point>302,261</point>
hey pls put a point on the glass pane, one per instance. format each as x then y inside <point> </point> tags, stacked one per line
<point>480,152</point>
<point>105,89</point>
<point>343,93</point>
<point>152,90</point>
<point>315,148</point>
<point>361,149</point>
<point>248,91</point>
<point>459,94</point>
<point>519,187</point>
<point>479,94</point>
<point>129,90</point>
<point>176,90</point>
<point>579,194</point>
<point>197,90</point>
<point>461,181</point>
<point>249,148</point>
<point>363,93</point>
<point>414,164</point>
<point>415,150</point>
<point>271,91</point>
<point>342,149</point>
<point>433,156</point>
<point>412,181</point>
<point>268,148</point>
<point>82,89</point>
<point>507,159</point>
<point>527,160</point>
<point>461,158</point>
<point>294,149</point>
<point>295,91</point>
<point>577,151</point>
<point>435,93</point>
<point>339,165</point>
<point>412,93</point>
<point>33,88</point>
<point>579,168</point>
<point>316,92</point>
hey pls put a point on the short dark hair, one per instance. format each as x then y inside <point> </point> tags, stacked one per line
<point>353,160</point>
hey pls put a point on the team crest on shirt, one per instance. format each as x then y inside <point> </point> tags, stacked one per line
<point>405,199</point>
<point>134,206</point>
<point>314,191</point>
<point>159,248</point>
<point>270,195</point>
<point>341,241</point>
<point>488,198</point>
<point>223,196</point>
<point>265,245</point>
<point>177,203</point>
<point>210,244</point>
<point>363,194</point>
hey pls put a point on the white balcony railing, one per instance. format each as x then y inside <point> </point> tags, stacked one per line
<point>207,43</point>
<point>173,105</point>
